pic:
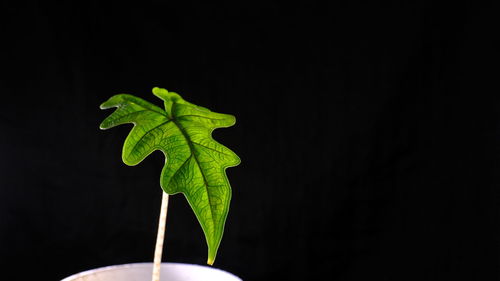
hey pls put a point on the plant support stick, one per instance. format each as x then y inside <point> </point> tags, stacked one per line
<point>160,237</point>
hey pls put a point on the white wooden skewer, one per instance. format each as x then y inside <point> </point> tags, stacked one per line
<point>160,237</point>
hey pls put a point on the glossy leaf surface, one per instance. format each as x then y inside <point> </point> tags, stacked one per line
<point>195,163</point>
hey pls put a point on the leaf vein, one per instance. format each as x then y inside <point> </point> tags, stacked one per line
<point>147,132</point>
<point>213,149</point>
<point>182,166</point>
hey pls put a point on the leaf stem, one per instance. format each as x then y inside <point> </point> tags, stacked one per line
<point>160,237</point>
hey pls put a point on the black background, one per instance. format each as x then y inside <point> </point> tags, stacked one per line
<point>368,136</point>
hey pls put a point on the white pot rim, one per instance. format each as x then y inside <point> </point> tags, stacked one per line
<point>164,265</point>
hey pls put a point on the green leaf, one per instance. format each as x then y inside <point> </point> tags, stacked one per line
<point>195,163</point>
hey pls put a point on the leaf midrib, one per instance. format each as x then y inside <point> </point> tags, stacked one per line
<point>189,141</point>
<point>191,148</point>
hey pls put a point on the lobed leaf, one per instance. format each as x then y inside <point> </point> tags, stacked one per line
<point>195,163</point>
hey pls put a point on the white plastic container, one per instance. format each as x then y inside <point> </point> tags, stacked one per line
<point>142,272</point>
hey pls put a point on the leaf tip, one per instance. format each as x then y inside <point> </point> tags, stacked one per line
<point>104,124</point>
<point>212,253</point>
<point>111,102</point>
<point>160,92</point>
<point>237,161</point>
<point>167,96</point>
<point>129,161</point>
<point>103,106</point>
<point>232,119</point>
